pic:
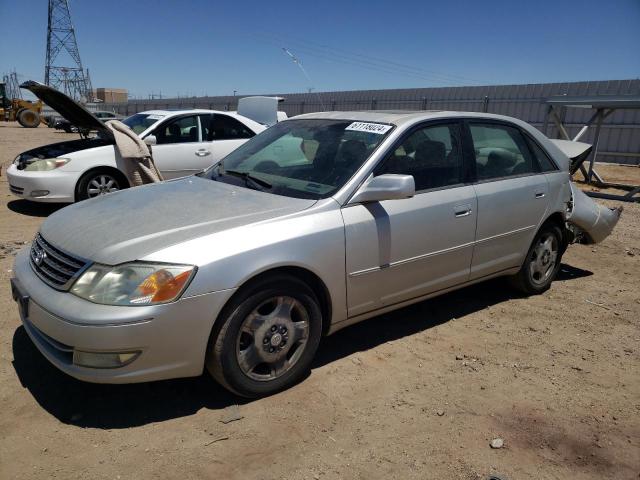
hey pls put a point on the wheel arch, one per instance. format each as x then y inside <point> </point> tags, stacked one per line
<point>557,219</point>
<point>314,282</point>
<point>101,168</point>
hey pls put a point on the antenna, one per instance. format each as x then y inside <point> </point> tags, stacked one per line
<point>61,43</point>
<point>299,63</point>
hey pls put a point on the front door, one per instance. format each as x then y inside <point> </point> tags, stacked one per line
<point>397,250</point>
<point>180,149</point>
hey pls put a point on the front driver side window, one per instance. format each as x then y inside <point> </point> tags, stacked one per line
<point>431,154</point>
<point>180,130</point>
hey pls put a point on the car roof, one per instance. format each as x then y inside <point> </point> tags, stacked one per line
<point>255,126</point>
<point>398,117</point>
<point>178,112</point>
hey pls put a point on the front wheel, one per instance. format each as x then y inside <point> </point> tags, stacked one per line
<point>94,184</point>
<point>28,118</point>
<point>541,263</point>
<point>267,337</point>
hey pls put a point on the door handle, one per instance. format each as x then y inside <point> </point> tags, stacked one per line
<point>462,210</point>
<point>202,152</point>
<point>540,194</point>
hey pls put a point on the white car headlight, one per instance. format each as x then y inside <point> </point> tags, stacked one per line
<point>136,283</point>
<point>46,164</point>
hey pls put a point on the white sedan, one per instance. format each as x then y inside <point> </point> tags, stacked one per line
<point>183,142</point>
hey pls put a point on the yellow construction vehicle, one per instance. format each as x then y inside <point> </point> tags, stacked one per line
<point>26,113</point>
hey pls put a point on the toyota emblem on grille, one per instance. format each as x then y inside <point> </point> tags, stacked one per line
<point>39,257</point>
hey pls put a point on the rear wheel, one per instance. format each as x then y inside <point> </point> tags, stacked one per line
<point>28,118</point>
<point>266,338</point>
<point>98,182</point>
<point>542,262</point>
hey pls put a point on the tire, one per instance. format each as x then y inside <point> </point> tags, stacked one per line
<point>97,182</point>
<point>28,118</point>
<point>265,339</point>
<point>542,263</point>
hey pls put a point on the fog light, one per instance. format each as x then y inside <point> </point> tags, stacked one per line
<point>40,193</point>
<point>103,359</point>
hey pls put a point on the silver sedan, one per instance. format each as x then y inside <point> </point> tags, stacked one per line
<point>319,222</point>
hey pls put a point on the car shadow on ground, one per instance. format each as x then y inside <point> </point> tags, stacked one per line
<point>121,406</point>
<point>34,209</point>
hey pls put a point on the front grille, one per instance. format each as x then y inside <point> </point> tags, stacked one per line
<point>16,190</point>
<point>57,268</point>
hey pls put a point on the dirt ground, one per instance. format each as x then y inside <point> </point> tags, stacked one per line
<point>418,393</point>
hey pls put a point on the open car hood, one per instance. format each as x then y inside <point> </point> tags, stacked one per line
<point>68,108</point>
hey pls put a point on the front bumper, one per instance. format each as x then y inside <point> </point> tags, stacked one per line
<point>60,185</point>
<point>172,337</point>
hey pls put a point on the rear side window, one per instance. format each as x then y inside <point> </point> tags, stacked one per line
<point>224,127</point>
<point>545,163</point>
<point>431,155</point>
<point>500,151</point>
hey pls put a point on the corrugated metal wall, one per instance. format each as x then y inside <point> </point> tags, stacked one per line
<point>619,140</point>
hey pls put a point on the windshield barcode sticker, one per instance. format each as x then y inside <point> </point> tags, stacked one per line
<point>378,128</point>
<point>155,117</point>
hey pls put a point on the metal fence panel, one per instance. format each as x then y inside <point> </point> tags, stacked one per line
<point>620,132</point>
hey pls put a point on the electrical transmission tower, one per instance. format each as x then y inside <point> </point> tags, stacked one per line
<point>62,49</point>
<point>12,85</point>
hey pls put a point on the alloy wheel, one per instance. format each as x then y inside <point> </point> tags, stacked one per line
<point>272,338</point>
<point>543,258</point>
<point>101,185</point>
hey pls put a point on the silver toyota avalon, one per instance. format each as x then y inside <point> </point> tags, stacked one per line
<point>321,221</point>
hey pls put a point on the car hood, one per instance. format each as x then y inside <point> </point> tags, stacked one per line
<point>68,108</point>
<point>131,224</point>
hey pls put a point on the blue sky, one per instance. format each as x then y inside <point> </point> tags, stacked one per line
<point>215,47</point>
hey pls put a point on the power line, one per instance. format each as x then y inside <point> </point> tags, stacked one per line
<point>342,56</point>
<point>297,62</point>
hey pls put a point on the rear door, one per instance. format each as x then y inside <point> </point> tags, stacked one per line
<point>513,196</point>
<point>223,135</point>
<point>397,250</point>
<point>179,149</point>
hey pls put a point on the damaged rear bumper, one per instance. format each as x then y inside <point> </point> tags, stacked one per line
<point>590,221</point>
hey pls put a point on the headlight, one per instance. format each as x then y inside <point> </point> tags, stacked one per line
<point>46,164</point>
<point>133,283</point>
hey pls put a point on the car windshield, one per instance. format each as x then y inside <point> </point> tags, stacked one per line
<point>139,122</point>
<point>302,158</point>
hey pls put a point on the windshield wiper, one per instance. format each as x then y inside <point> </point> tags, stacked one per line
<point>249,179</point>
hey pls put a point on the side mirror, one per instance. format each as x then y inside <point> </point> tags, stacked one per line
<point>385,187</point>
<point>150,140</point>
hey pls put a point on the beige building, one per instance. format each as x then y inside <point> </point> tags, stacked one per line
<point>112,95</point>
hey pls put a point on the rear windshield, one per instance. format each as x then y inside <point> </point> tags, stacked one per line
<point>139,122</point>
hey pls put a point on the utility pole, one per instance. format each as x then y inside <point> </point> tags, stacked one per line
<point>63,67</point>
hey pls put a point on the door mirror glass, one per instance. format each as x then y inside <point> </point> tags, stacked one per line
<point>150,140</point>
<point>385,187</point>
